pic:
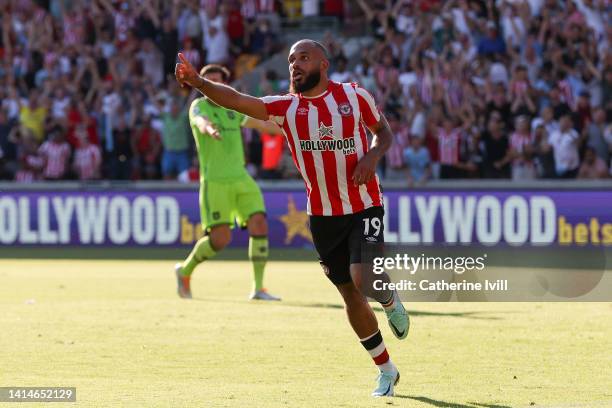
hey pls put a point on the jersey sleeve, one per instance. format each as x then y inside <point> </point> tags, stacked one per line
<point>277,106</point>
<point>195,110</point>
<point>370,114</point>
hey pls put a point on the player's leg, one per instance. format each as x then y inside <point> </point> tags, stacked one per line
<point>331,238</point>
<point>218,237</point>
<point>335,264</point>
<point>366,242</point>
<point>360,314</point>
<point>258,248</point>
<point>364,323</point>
<point>206,248</point>
<point>258,255</point>
<point>250,212</point>
<point>216,216</point>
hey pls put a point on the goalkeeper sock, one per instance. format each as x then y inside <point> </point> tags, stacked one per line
<point>201,251</point>
<point>258,254</point>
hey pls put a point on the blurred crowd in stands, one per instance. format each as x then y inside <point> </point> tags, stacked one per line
<point>518,89</point>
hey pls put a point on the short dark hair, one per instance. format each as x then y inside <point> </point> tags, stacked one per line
<point>321,47</point>
<point>216,68</point>
<point>316,44</point>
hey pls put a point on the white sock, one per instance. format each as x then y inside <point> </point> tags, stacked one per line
<point>387,367</point>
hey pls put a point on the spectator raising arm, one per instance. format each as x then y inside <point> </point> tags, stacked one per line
<point>369,13</point>
<point>147,8</point>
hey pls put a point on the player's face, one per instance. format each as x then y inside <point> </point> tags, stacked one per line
<point>304,69</point>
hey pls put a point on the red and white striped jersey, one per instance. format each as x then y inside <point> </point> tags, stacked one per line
<point>518,142</point>
<point>87,162</point>
<point>74,32</point>
<point>448,145</point>
<point>327,137</point>
<point>56,158</point>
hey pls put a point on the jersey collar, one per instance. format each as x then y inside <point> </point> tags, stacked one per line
<point>327,91</point>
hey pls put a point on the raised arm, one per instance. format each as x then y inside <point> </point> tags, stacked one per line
<point>149,9</point>
<point>398,6</point>
<point>205,126</point>
<point>369,14</point>
<point>202,122</point>
<point>222,95</point>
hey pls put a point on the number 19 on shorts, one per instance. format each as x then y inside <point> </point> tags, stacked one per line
<point>371,223</point>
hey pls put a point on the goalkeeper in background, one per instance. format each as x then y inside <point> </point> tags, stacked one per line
<point>228,193</point>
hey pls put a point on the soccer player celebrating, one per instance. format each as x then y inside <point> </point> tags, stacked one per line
<point>324,123</point>
<point>227,192</point>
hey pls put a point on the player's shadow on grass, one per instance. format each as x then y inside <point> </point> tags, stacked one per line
<point>469,315</point>
<point>446,404</point>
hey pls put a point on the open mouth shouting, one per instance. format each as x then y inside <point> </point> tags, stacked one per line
<point>298,75</point>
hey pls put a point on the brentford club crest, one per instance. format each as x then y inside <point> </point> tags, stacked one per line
<point>345,109</point>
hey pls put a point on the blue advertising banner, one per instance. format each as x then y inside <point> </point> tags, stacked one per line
<point>171,218</point>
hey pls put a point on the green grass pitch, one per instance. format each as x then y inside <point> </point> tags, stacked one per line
<point>117,331</point>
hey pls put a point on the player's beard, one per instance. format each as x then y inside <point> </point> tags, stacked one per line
<point>310,81</point>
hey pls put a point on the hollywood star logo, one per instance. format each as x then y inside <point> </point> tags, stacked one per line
<point>325,132</point>
<point>327,142</point>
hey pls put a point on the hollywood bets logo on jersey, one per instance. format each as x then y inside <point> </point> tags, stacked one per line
<point>327,142</point>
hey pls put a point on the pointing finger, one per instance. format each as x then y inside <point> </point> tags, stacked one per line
<point>183,59</point>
